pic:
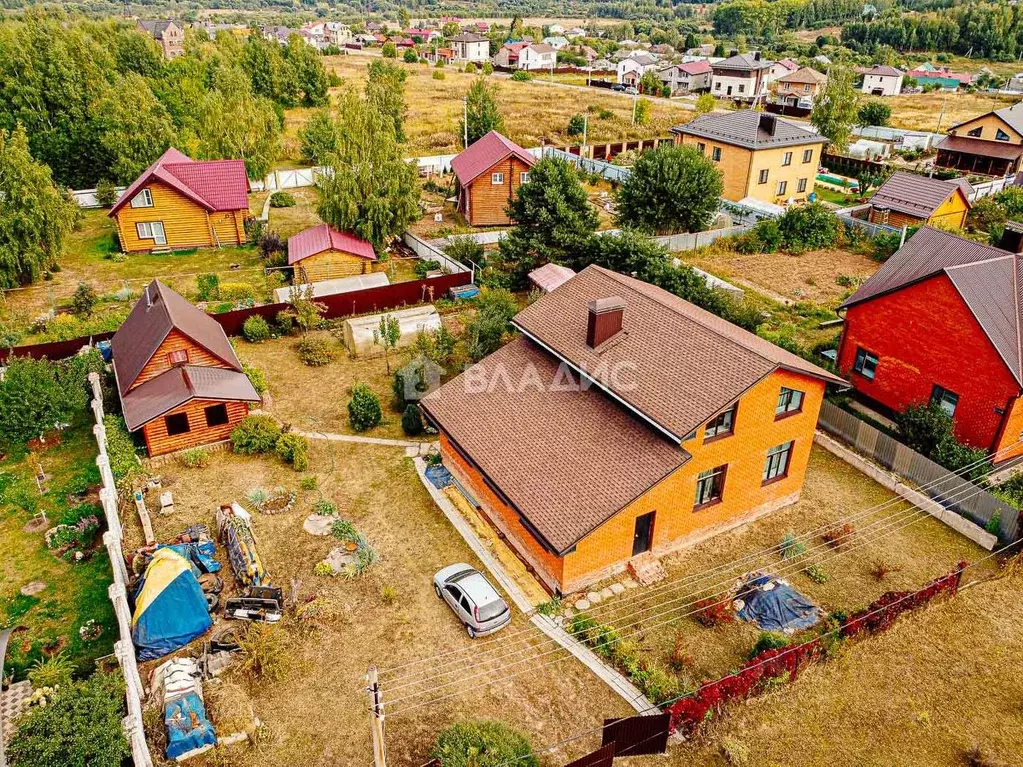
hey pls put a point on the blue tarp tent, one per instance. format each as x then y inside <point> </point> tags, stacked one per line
<point>774,605</point>
<point>170,608</point>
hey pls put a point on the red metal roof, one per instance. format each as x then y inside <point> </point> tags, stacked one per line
<point>484,153</point>
<point>214,184</point>
<point>324,237</point>
<point>696,67</point>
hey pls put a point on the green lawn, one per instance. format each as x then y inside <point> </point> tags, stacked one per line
<point>49,621</point>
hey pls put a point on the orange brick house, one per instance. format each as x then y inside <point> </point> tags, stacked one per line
<point>487,175</point>
<point>941,322</point>
<point>179,202</point>
<point>178,378</point>
<point>625,423</point>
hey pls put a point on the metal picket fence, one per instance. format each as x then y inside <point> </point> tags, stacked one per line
<point>604,169</point>
<point>950,490</point>
<point>124,648</point>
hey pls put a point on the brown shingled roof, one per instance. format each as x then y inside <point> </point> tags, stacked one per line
<point>675,364</point>
<point>516,435</point>
<point>914,195</point>
<point>155,315</point>
<point>177,386</point>
<point>749,129</point>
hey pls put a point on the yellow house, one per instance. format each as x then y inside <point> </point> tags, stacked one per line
<point>760,155</point>
<point>907,199</point>
<point>179,202</point>
<point>323,253</point>
<point>991,144</point>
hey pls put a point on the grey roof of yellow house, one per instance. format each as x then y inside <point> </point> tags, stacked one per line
<point>915,195</point>
<point>749,129</point>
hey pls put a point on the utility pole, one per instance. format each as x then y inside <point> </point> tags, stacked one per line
<point>635,99</point>
<point>376,713</point>
<point>586,124</point>
<point>465,122</point>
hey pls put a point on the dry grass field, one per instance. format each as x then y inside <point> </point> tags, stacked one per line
<point>315,714</point>
<point>533,111</point>
<point>921,695</point>
<point>921,111</point>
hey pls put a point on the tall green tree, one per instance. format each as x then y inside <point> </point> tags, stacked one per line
<point>138,52</point>
<point>318,137</point>
<point>133,127</point>
<point>385,91</point>
<point>553,218</point>
<point>271,73</point>
<point>309,73</point>
<point>671,189</point>
<point>481,112</point>
<point>369,189</point>
<point>35,218</point>
<point>836,107</point>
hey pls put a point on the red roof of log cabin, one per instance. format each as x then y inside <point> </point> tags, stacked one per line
<point>325,237</point>
<point>484,153</point>
<point>214,184</point>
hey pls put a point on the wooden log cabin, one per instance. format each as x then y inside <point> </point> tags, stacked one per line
<point>178,378</point>
<point>907,199</point>
<point>487,175</point>
<point>323,253</point>
<point>179,202</point>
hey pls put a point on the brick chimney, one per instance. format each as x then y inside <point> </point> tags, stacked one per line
<point>604,321</point>
<point>768,123</point>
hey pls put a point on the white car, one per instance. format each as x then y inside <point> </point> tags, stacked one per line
<point>476,603</point>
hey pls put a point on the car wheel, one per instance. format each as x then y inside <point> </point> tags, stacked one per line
<point>471,631</point>
<point>436,590</point>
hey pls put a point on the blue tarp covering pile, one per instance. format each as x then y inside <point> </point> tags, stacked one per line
<point>773,605</point>
<point>199,554</point>
<point>188,728</point>
<point>439,476</point>
<point>170,608</point>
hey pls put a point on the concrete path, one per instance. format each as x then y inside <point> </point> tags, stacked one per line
<point>617,682</point>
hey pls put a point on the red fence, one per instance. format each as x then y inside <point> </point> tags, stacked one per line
<point>365,301</point>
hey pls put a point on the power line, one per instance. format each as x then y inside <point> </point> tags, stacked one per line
<point>672,586</point>
<point>782,652</point>
<point>919,515</point>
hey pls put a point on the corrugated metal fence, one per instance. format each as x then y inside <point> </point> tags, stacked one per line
<point>948,489</point>
<point>124,648</point>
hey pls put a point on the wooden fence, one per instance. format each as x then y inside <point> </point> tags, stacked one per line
<point>950,490</point>
<point>124,648</point>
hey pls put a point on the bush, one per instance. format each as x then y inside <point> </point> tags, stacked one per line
<point>79,727</point>
<point>576,125</point>
<point>255,434</point>
<point>196,458</point>
<point>411,57</point>
<point>470,68</point>
<point>237,291</point>
<point>264,652</point>
<point>438,75</point>
<point>483,744</point>
<point>488,68</point>
<point>412,420</point>
<point>208,286</point>
<point>363,408</point>
<point>389,51</point>
<point>791,547</point>
<point>285,321</point>
<point>316,352</point>
<point>768,640</point>
<point>124,459</point>
<point>37,395</point>
<point>808,227</point>
<point>484,334</point>
<point>55,671</point>
<point>424,265</point>
<point>293,449</point>
<point>272,248</point>
<point>106,193</point>
<point>875,113</point>
<point>84,300</point>
<point>521,76</point>
<point>256,378</point>
<point>282,200</point>
<point>256,329</point>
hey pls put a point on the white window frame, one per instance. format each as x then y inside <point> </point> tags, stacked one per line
<point>783,187</point>
<point>801,186</point>
<point>143,199</point>
<point>524,177</point>
<point>151,230</point>
<point>786,159</point>
<point>763,176</point>
<point>807,155</point>
<point>496,179</point>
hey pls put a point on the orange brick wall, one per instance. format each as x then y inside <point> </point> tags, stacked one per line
<point>924,335</point>
<point>546,565</point>
<point>608,548</point>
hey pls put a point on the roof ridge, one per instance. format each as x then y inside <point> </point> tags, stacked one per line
<point>615,276</point>
<point>1006,254</point>
<point>1019,334</point>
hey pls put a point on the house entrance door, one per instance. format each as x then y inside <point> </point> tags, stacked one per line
<point>729,91</point>
<point>644,534</point>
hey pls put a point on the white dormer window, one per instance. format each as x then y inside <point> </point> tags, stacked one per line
<point>143,199</point>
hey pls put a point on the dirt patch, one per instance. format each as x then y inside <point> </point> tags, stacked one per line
<point>817,275</point>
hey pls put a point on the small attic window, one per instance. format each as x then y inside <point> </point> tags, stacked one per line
<point>143,199</point>
<point>178,357</point>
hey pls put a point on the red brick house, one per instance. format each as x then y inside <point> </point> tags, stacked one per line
<point>487,176</point>
<point>622,424</point>
<point>178,378</point>
<point>941,322</point>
